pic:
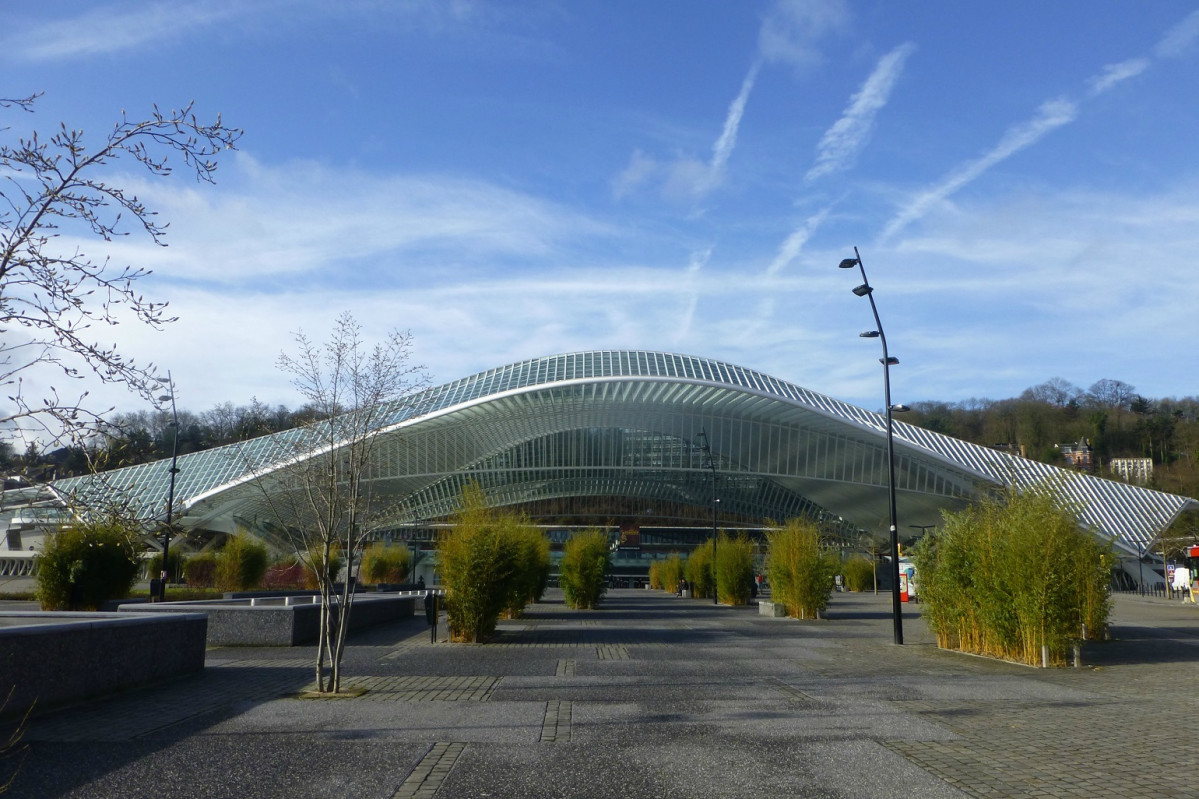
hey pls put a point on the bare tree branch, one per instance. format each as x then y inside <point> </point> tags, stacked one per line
<point>320,496</point>
<point>50,296</point>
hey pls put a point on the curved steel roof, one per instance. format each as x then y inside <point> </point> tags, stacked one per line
<point>627,423</point>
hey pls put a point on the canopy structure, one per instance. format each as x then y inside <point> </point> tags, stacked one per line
<point>621,436</point>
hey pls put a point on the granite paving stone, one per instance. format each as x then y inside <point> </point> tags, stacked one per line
<point>649,696</point>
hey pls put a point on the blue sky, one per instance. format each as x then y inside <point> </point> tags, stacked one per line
<point>509,180</point>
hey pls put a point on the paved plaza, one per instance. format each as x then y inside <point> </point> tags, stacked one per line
<point>652,696</point>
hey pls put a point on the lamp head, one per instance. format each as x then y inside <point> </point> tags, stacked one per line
<point>863,290</point>
<point>898,408</point>
<point>848,263</point>
<point>165,398</point>
<point>868,334</point>
<point>890,360</point>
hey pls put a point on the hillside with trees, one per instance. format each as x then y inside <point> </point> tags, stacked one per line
<point>1110,417</point>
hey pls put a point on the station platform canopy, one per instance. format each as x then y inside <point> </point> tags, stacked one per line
<point>633,437</point>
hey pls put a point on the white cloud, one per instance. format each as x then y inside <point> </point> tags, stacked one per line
<point>1113,74</point>
<point>795,242</point>
<point>791,29</point>
<point>292,220</point>
<point>849,134</point>
<point>129,26</point>
<point>641,169</point>
<point>1053,260</point>
<point>1178,39</point>
<point>113,29</point>
<point>697,263</point>
<point>724,145</point>
<point>1050,116</point>
<point>686,179</point>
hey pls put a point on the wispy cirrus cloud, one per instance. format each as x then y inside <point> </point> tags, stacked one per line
<point>1179,38</point>
<point>686,179</point>
<point>789,34</point>
<point>791,30</point>
<point>793,245</point>
<point>1113,74</point>
<point>844,140</point>
<point>114,29</point>
<point>1050,116</point>
<point>698,261</point>
<point>724,145</point>
<point>130,26</point>
<point>290,221</point>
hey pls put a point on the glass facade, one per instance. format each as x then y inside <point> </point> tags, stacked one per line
<point>612,434</point>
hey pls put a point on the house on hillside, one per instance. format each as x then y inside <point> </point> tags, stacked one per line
<point>1079,455</point>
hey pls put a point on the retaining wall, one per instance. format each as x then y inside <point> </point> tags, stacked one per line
<point>56,657</point>
<point>279,621</point>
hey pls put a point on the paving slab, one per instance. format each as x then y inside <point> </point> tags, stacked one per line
<point>649,696</point>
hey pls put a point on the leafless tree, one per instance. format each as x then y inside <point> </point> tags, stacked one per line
<point>51,295</point>
<point>320,495</point>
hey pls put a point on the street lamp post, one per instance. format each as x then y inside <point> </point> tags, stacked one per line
<point>166,542</point>
<point>867,291</point>
<point>712,465</point>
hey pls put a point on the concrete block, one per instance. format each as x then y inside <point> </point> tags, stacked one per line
<point>55,657</point>
<point>774,609</point>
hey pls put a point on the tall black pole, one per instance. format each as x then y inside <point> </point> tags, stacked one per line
<point>166,543</point>
<point>887,360</point>
<point>712,465</point>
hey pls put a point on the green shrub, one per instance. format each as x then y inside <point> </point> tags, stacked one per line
<point>670,571</point>
<point>699,571</point>
<point>1008,575</point>
<point>586,560</point>
<point>199,571</point>
<point>385,563</point>
<point>479,564</point>
<point>314,564</point>
<point>734,569</point>
<point>86,564</point>
<point>859,573</point>
<point>241,564</point>
<point>801,573</point>
<point>532,568</point>
<point>655,574</point>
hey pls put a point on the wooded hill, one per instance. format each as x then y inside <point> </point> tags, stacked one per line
<point>1110,417</point>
